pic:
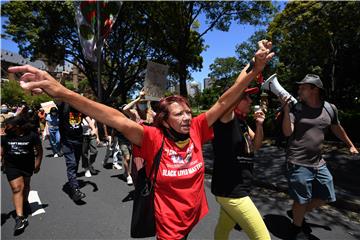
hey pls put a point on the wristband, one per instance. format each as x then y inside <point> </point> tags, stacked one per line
<point>251,66</point>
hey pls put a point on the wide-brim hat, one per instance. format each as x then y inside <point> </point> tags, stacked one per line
<point>312,79</point>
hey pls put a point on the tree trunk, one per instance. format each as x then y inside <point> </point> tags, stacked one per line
<point>182,80</point>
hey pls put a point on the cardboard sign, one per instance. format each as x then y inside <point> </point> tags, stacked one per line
<point>48,105</point>
<point>155,81</point>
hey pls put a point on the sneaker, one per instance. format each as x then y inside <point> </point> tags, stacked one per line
<point>129,180</point>
<point>56,155</point>
<point>20,223</point>
<point>117,166</point>
<point>87,173</point>
<point>305,226</point>
<point>77,195</point>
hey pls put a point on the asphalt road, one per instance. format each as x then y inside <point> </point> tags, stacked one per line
<point>105,212</point>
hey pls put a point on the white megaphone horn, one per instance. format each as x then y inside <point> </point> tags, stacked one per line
<point>272,84</point>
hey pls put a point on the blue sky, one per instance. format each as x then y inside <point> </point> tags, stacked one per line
<point>220,45</point>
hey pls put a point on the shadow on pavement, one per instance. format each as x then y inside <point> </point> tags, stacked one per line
<point>121,176</point>
<point>33,207</point>
<point>6,216</point>
<point>280,226</point>
<point>129,197</point>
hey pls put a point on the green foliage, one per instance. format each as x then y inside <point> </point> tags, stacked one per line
<point>322,38</point>
<point>224,71</point>
<point>208,97</point>
<point>164,32</point>
<point>69,85</point>
<point>179,36</point>
<point>34,101</point>
<point>12,94</point>
<point>41,28</point>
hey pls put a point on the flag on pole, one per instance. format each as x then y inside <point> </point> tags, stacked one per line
<point>85,14</point>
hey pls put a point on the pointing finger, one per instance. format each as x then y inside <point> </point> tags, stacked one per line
<point>25,68</point>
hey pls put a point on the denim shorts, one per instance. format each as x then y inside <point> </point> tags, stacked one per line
<point>306,183</point>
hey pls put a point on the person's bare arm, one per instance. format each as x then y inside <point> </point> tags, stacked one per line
<point>232,95</point>
<point>287,125</point>
<point>131,104</point>
<point>93,128</point>
<point>258,135</point>
<point>38,157</point>
<point>340,132</point>
<point>35,80</point>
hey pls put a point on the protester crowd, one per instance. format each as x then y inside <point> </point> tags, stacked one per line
<point>136,135</point>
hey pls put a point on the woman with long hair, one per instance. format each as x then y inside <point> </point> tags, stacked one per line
<point>180,200</point>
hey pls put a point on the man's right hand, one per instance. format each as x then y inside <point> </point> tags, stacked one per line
<point>285,103</point>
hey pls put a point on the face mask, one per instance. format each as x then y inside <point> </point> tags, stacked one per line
<point>54,113</point>
<point>142,106</point>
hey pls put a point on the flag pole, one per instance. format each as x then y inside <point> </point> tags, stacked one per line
<point>98,51</point>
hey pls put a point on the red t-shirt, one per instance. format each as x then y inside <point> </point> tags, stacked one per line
<point>180,200</point>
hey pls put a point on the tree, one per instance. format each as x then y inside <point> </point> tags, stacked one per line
<point>47,30</point>
<point>44,30</point>
<point>321,38</point>
<point>175,28</point>
<point>224,71</point>
<point>12,94</point>
<point>165,32</point>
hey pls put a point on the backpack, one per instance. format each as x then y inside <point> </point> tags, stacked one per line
<point>330,110</point>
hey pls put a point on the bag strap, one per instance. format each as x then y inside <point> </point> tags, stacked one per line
<point>156,163</point>
<point>329,109</point>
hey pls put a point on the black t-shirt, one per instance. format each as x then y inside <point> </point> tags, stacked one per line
<point>233,162</point>
<point>70,123</point>
<point>19,151</point>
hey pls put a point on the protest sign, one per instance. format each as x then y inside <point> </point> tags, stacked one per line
<point>48,105</point>
<point>155,81</point>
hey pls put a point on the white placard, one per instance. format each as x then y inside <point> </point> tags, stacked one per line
<point>47,106</point>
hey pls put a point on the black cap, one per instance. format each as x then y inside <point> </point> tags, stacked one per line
<point>312,79</point>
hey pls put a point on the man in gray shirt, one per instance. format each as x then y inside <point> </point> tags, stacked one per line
<point>310,182</point>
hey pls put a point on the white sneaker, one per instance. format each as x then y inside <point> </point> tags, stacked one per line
<point>87,173</point>
<point>56,155</point>
<point>129,180</point>
<point>117,166</point>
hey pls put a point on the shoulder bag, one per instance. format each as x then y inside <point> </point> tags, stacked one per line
<point>143,217</point>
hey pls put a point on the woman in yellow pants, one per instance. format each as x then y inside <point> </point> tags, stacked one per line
<point>234,145</point>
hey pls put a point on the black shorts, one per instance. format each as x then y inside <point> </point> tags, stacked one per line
<point>13,173</point>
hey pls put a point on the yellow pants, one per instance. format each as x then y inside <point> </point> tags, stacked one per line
<point>244,212</point>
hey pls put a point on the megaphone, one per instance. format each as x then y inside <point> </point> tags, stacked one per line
<point>272,84</point>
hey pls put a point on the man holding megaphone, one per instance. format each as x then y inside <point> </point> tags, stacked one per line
<point>310,182</point>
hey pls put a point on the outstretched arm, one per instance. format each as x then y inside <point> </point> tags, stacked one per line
<point>132,103</point>
<point>232,95</point>
<point>36,80</point>
<point>339,132</point>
